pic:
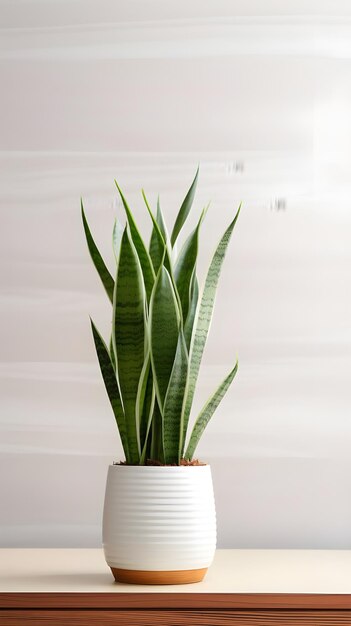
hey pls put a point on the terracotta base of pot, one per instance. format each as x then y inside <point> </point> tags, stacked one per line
<point>141,577</point>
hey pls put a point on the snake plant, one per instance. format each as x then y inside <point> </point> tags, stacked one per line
<point>160,323</point>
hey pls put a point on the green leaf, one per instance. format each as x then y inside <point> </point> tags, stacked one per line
<point>207,412</point>
<point>185,266</point>
<point>157,452</point>
<point>163,248</point>
<point>164,319</point>
<point>159,252</point>
<point>129,334</point>
<point>117,235</point>
<point>203,318</point>
<point>143,254</point>
<point>193,300</point>
<point>157,240</point>
<point>112,354</point>
<point>172,412</point>
<point>109,378</point>
<point>160,220</point>
<point>97,259</point>
<point>146,421</point>
<point>143,400</point>
<point>184,210</point>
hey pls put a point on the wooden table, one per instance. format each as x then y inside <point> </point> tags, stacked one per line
<point>246,587</point>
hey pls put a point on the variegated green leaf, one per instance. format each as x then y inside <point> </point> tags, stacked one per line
<point>157,241</point>
<point>186,263</point>
<point>157,451</point>
<point>172,411</point>
<point>184,210</point>
<point>160,220</point>
<point>163,246</point>
<point>147,417</point>
<point>143,399</point>
<point>158,248</point>
<point>97,259</point>
<point>203,318</point>
<point>143,254</point>
<point>188,331</point>
<point>207,412</point>
<point>193,300</point>
<point>164,319</point>
<point>129,334</point>
<point>117,238</point>
<point>109,378</point>
<point>112,354</point>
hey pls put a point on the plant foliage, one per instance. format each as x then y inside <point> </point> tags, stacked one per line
<point>160,323</point>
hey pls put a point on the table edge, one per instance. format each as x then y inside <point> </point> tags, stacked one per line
<point>173,600</point>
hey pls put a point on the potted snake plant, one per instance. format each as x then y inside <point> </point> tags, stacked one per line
<point>159,521</point>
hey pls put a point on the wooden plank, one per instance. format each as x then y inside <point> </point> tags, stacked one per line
<point>174,601</point>
<point>174,618</point>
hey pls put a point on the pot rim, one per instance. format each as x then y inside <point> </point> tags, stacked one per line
<point>160,467</point>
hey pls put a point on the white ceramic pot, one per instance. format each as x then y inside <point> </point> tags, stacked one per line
<point>159,523</point>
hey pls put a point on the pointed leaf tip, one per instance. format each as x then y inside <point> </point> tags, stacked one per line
<point>99,263</point>
<point>142,251</point>
<point>184,209</point>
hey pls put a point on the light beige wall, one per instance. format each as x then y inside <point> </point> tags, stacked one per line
<point>143,91</point>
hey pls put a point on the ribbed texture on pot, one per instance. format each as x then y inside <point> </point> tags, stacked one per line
<point>159,518</point>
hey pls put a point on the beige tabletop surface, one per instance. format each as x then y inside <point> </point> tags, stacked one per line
<point>233,571</point>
